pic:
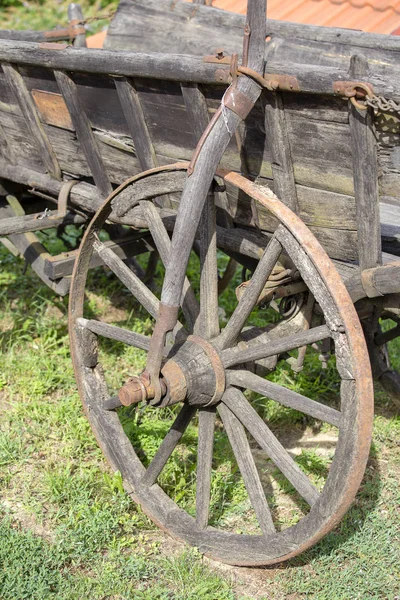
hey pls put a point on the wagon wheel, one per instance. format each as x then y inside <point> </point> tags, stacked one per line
<point>208,381</point>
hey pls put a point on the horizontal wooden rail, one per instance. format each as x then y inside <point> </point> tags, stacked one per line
<point>37,222</point>
<point>178,67</point>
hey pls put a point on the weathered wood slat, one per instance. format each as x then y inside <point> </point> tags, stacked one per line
<point>204,465</point>
<point>29,111</point>
<point>268,442</point>
<point>133,112</point>
<point>284,396</point>
<point>30,248</point>
<point>38,222</point>
<point>281,164</point>
<point>365,173</point>
<point>84,132</point>
<point>75,14</point>
<point>168,445</point>
<point>247,466</point>
<point>234,356</point>
<point>63,264</point>
<point>128,278</point>
<point>183,69</point>
<point>203,30</point>
<point>248,301</point>
<point>190,305</point>
<point>112,332</point>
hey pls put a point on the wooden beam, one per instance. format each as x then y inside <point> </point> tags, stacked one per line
<point>281,156</point>
<point>84,131</point>
<point>365,174</point>
<point>31,116</point>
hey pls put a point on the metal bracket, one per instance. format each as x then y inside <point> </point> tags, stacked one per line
<point>351,89</point>
<point>63,198</point>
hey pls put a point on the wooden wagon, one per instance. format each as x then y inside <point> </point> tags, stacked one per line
<point>274,144</point>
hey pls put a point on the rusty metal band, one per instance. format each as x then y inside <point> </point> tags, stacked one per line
<point>218,367</point>
<point>368,283</point>
<point>70,32</point>
<point>238,102</point>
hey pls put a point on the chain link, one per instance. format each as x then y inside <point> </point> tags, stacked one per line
<point>382,104</point>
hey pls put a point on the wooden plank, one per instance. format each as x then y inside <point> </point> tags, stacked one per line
<point>30,248</point>
<point>63,264</point>
<point>135,119</point>
<point>365,173</point>
<point>185,68</point>
<point>31,116</point>
<point>84,132</point>
<point>281,163</point>
<point>38,222</point>
<point>204,29</point>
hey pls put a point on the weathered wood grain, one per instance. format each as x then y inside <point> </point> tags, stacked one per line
<point>30,113</point>
<point>84,131</point>
<point>365,173</point>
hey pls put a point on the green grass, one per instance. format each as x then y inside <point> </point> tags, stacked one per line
<point>47,14</point>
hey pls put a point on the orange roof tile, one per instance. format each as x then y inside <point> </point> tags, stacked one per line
<point>379,16</point>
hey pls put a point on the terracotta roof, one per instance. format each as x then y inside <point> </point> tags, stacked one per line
<point>379,16</point>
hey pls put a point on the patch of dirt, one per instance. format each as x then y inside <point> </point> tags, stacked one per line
<point>109,309</point>
<point>26,519</point>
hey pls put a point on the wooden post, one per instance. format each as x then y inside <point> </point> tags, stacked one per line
<point>365,173</point>
<point>75,14</point>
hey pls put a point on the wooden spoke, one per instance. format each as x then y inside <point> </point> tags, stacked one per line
<point>119,334</point>
<point>257,351</point>
<point>228,275</point>
<point>247,467</point>
<point>128,278</point>
<point>238,404</point>
<point>190,306</point>
<point>112,403</point>
<point>247,302</point>
<point>209,318</point>
<point>168,445</point>
<point>204,465</point>
<point>284,396</point>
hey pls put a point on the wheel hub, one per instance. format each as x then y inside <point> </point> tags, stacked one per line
<point>195,373</point>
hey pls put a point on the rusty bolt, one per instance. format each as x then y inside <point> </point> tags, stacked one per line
<point>138,389</point>
<point>219,53</point>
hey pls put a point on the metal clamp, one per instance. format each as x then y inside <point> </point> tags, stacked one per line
<point>63,197</point>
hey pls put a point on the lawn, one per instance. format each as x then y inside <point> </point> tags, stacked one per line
<point>69,531</point>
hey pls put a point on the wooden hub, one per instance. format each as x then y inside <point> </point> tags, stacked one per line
<point>195,373</point>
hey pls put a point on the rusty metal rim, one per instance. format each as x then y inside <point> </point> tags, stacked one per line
<point>345,308</point>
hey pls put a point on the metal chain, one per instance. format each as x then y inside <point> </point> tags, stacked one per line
<point>382,104</point>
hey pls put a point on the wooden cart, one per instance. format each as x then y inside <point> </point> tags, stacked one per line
<point>282,152</point>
